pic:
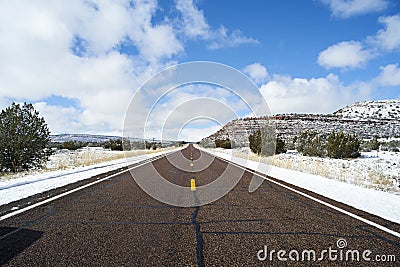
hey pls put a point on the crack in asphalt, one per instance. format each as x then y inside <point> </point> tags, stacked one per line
<point>199,235</point>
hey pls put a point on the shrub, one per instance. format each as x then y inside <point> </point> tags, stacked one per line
<point>280,146</point>
<point>264,141</point>
<point>24,137</point>
<point>113,144</point>
<point>310,143</point>
<point>72,145</point>
<point>341,145</point>
<point>223,143</point>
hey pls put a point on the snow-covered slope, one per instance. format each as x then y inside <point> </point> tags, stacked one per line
<point>85,138</point>
<point>365,119</point>
<point>383,109</point>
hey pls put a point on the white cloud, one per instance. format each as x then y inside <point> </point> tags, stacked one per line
<point>177,108</point>
<point>196,134</point>
<point>194,22</point>
<point>349,8</point>
<point>257,72</point>
<point>39,58</point>
<point>222,38</point>
<point>388,38</point>
<point>194,26</point>
<point>389,76</point>
<point>354,54</point>
<point>59,118</point>
<point>344,55</point>
<point>317,95</point>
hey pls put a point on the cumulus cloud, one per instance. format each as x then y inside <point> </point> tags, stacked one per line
<point>389,75</point>
<point>176,108</point>
<point>316,95</point>
<point>59,118</point>
<point>344,55</point>
<point>354,54</point>
<point>77,50</point>
<point>257,72</point>
<point>194,22</point>
<point>349,8</point>
<point>388,38</point>
<point>195,26</point>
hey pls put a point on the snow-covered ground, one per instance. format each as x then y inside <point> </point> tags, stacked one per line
<point>66,167</point>
<point>378,202</point>
<point>377,170</point>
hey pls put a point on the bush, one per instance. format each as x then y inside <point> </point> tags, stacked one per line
<point>391,145</point>
<point>224,143</point>
<point>113,144</point>
<point>24,137</point>
<point>310,143</point>
<point>372,144</point>
<point>280,146</point>
<point>72,145</point>
<point>264,141</point>
<point>342,145</point>
<point>255,142</point>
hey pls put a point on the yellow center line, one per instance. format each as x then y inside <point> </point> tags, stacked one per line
<point>191,164</point>
<point>192,185</point>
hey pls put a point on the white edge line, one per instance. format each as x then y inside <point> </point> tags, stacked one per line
<point>383,228</point>
<point>11,214</point>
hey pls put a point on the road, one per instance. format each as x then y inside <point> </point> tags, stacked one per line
<point>115,223</point>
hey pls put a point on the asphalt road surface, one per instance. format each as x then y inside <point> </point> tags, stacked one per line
<point>115,223</point>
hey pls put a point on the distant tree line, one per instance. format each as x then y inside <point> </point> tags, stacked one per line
<point>119,144</point>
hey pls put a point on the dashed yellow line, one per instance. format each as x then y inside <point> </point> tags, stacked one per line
<point>192,185</point>
<point>191,164</point>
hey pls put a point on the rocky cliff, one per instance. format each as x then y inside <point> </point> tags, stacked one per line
<point>365,119</point>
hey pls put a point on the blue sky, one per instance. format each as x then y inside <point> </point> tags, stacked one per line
<point>80,62</point>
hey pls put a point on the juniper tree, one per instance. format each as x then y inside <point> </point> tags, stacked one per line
<point>280,146</point>
<point>223,143</point>
<point>341,145</point>
<point>24,137</point>
<point>263,141</point>
<point>310,143</point>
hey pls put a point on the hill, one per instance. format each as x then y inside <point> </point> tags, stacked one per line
<point>365,119</point>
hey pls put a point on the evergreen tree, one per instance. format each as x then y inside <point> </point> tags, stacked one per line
<point>310,143</point>
<point>341,145</point>
<point>374,143</point>
<point>223,143</point>
<point>24,137</point>
<point>113,144</point>
<point>264,142</point>
<point>280,146</point>
<point>255,142</point>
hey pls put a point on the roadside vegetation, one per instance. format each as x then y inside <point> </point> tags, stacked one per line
<point>24,139</point>
<point>309,143</point>
<point>25,145</point>
<point>372,163</point>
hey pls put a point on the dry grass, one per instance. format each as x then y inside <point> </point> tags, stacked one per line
<point>91,157</point>
<point>80,158</point>
<point>351,171</point>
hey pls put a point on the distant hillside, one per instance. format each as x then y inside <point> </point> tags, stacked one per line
<point>383,109</point>
<point>85,138</point>
<point>365,119</point>
<point>89,138</point>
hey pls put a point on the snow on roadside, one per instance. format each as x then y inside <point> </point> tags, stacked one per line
<point>383,204</point>
<point>17,187</point>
